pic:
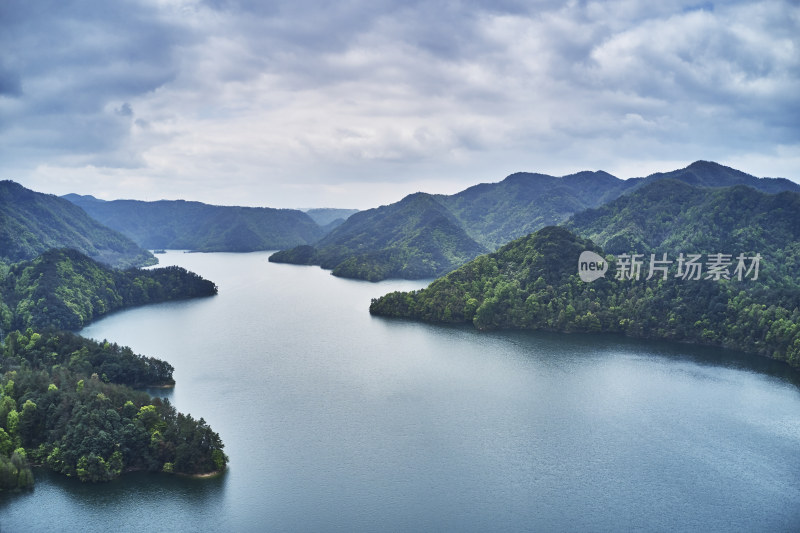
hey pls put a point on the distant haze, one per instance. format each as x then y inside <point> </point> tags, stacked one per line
<point>357,104</point>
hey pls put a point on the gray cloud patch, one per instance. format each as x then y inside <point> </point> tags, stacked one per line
<point>124,110</point>
<point>9,82</point>
<point>70,60</point>
<point>385,93</point>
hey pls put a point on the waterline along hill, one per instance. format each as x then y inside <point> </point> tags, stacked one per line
<point>533,283</point>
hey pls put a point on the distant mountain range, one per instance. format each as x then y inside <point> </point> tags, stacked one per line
<point>710,174</point>
<point>329,217</point>
<point>421,236</point>
<point>496,213</point>
<point>182,225</point>
<point>393,241</point>
<point>32,223</point>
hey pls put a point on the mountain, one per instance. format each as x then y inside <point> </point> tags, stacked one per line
<point>178,224</point>
<point>533,283</point>
<point>669,216</point>
<point>326,216</point>
<point>393,241</point>
<point>490,214</point>
<point>710,174</point>
<point>496,213</point>
<point>329,218</point>
<point>414,238</point>
<point>64,289</point>
<point>32,222</point>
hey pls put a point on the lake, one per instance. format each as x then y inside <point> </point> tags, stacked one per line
<point>335,420</point>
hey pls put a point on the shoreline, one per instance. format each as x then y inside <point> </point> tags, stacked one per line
<point>162,386</point>
<point>206,475</point>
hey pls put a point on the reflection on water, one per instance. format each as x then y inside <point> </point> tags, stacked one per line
<point>66,504</point>
<point>703,356</point>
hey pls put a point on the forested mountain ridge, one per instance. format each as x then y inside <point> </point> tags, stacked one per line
<point>414,238</point>
<point>496,213</point>
<point>64,289</point>
<point>32,222</point>
<point>670,216</point>
<point>390,241</point>
<point>183,225</point>
<point>533,283</point>
<point>490,214</point>
<point>711,174</point>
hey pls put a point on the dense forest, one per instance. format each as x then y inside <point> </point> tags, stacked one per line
<point>65,289</point>
<point>533,283</point>
<point>390,242</point>
<point>32,223</point>
<point>669,216</point>
<point>182,225</point>
<point>66,401</point>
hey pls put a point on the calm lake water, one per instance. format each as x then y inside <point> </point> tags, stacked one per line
<point>338,421</point>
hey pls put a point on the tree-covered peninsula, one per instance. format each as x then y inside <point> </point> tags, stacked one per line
<point>534,283</point>
<point>66,402</point>
<point>63,288</point>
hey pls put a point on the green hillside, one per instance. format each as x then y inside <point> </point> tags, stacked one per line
<point>669,216</point>
<point>533,283</point>
<point>496,213</point>
<point>414,238</point>
<point>64,289</point>
<point>66,404</point>
<point>32,222</point>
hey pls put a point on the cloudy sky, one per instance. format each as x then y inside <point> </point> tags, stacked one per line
<point>357,103</point>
